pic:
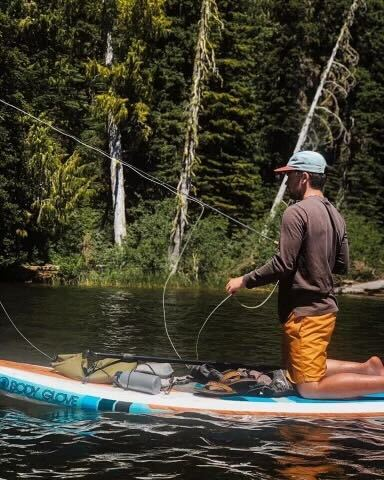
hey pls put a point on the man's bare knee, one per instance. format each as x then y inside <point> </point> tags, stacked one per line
<point>308,389</point>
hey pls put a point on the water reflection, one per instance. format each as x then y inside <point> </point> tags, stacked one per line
<point>307,454</point>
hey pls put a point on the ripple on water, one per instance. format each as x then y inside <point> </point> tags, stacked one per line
<point>44,443</point>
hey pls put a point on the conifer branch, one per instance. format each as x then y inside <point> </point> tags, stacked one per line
<point>204,65</point>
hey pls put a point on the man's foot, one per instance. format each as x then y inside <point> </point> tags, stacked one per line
<point>375,366</point>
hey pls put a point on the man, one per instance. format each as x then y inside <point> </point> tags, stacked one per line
<point>313,245</point>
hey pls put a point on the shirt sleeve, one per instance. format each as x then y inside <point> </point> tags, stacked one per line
<point>292,234</point>
<point>342,259</point>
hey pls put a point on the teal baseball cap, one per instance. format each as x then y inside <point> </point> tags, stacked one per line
<point>306,161</point>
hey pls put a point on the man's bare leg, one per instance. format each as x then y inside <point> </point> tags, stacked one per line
<point>342,385</point>
<point>373,366</point>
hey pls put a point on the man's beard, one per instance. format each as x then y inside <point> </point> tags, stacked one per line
<point>295,195</point>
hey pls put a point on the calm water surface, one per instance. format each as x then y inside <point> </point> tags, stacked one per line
<point>39,442</point>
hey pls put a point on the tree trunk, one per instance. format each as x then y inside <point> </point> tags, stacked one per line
<point>204,61</point>
<point>308,120</point>
<point>117,172</point>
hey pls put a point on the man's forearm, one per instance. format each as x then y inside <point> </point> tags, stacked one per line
<point>268,273</point>
<point>284,262</point>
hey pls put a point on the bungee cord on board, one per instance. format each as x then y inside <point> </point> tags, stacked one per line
<point>171,189</point>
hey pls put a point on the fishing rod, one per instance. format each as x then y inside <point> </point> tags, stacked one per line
<point>131,357</point>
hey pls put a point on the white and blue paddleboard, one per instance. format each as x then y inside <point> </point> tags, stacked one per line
<point>41,384</point>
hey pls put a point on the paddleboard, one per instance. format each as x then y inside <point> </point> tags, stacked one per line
<point>41,384</point>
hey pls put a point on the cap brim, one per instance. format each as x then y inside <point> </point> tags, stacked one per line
<point>285,169</point>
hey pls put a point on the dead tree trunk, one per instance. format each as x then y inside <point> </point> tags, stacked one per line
<point>117,172</point>
<point>204,63</point>
<point>328,93</point>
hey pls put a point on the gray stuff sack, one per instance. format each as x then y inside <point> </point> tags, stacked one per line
<point>149,377</point>
<point>138,381</point>
<point>163,370</point>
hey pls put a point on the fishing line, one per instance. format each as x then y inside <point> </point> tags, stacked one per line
<point>168,187</point>
<point>206,321</point>
<point>254,307</point>
<point>260,304</point>
<point>221,303</point>
<point>19,332</point>
<point>138,171</point>
<point>170,275</point>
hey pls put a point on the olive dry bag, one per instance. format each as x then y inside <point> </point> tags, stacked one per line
<point>79,367</point>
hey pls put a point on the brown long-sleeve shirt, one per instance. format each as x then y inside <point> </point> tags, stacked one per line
<point>313,246</point>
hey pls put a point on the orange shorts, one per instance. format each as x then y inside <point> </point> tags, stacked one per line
<point>305,343</point>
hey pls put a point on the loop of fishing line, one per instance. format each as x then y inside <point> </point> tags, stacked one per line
<point>254,307</point>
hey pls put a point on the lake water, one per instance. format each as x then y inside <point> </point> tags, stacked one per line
<point>38,442</point>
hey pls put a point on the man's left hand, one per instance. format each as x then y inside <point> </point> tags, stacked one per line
<point>234,285</point>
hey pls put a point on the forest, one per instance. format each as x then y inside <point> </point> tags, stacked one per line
<point>138,138</point>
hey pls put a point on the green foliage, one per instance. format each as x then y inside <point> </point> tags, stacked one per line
<point>365,169</point>
<point>229,176</point>
<point>366,242</point>
<point>60,183</point>
<point>71,267</point>
<point>146,245</point>
<point>171,71</point>
<point>147,16</point>
<point>142,255</point>
<point>125,82</point>
<point>11,215</point>
<point>206,256</point>
<point>270,55</point>
<point>209,258</point>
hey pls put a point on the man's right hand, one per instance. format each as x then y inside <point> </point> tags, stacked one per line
<point>234,285</point>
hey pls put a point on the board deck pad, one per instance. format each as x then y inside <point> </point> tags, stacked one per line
<point>41,384</point>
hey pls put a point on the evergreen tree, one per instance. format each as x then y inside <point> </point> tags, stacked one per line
<point>123,90</point>
<point>204,64</point>
<point>50,44</point>
<point>60,181</point>
<point>365,179</point>
<point>171,68</point>
<point>13,63</point>
<point>232,144</point>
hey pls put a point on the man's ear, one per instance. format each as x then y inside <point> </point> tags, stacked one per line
<point>306,177</point>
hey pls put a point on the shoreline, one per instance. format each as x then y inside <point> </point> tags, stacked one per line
<point>49,275</point>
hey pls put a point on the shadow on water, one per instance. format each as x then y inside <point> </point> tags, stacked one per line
<point>39,442</point>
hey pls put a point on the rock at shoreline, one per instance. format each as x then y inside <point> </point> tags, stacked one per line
<point>367,288</point>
